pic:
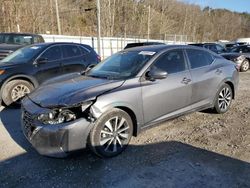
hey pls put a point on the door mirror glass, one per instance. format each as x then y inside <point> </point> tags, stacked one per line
<point>156,74</point>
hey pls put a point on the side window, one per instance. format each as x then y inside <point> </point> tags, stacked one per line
<point>199,58</point>
<point>41,40</point>
<point>71,51</point>
<point>83,50</point>
<point>212,48</point>
<point>36,39</point>
<point>172,62</point>
<point>219,48</point>
<point>53,53</point>
<point>246,49</point>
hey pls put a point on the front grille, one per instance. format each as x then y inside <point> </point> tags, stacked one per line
<point>28,121</point>
<point>4,53</point>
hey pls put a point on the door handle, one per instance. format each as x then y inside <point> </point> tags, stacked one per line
<point>218,71</point>
<point>186,80</point>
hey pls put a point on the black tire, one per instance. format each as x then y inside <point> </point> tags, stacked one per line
<point>101,143</point>
<point>10,87</point>
<point>223,99</point>
<point>244,65</point>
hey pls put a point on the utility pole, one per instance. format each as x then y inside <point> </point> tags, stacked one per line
<point>58,19</point>
<point>149,18</point>
<point>98,14</point>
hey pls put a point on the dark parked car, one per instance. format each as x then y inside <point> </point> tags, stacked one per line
<point>137,44</point>
<point>128,92</point>
<point>28,67</point>
<point>214,47</point>
<point>240,55</point>
<point>10,42</point>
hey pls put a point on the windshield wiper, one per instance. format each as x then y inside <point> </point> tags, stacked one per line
<point>96,76</point>
<point>104,77</point>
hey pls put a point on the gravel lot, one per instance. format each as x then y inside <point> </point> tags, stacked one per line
<point>197,150</point>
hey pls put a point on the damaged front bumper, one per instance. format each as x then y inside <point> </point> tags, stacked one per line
<point>54,140</point>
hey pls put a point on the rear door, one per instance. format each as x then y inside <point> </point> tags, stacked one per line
<point>74,59</point>
<point>205,76</point>
<point>166,96</point>
<point>53,65</point>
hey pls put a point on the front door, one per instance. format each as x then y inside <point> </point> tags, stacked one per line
<point>167,96</point>
<point>52,67</point>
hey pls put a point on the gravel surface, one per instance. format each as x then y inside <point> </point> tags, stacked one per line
<point>197,150</point>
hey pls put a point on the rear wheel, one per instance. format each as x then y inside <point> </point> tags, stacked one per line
<point>244,65</point>
<point>223,99</point>
<point>111,133</point>
<point>15,90</point>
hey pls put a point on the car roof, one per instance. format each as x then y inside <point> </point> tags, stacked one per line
<point>159,48</point>
<point>155,48</point>
<point>56,43</point>
<point>13,33</point>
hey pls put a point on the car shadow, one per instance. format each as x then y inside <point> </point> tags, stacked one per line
<point>11,120</point>
<point>164,164</point>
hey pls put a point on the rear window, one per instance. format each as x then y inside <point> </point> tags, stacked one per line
<point>199,58</point>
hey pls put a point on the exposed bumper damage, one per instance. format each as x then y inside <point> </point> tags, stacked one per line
<point>54,140</point>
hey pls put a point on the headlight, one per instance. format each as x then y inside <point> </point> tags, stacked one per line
<point>240,58</point>
<point>57,116</point>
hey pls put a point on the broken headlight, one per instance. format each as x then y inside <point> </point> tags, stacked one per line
<point>58,116</point>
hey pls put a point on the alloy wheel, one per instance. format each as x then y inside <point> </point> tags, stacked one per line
<point>114,134</point>
<point>19,91</point>
<point>245,65</point>
<point>224,99</point>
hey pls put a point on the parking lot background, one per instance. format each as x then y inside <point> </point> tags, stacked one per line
<point>196,150</point>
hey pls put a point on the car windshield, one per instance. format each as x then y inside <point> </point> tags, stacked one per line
<point>122,65</point>
<point>22,55</point>
<point>16,39</point>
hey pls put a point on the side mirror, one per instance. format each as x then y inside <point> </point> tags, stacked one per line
<point>156,74</point>
<point>41,61</point>
<point>88,69</point>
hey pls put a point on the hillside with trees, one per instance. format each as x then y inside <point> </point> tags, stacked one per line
<point>120,18</point>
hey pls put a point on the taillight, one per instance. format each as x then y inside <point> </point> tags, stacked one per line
<point>99,58</point>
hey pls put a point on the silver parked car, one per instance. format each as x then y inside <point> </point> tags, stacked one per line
<point>128,92</point>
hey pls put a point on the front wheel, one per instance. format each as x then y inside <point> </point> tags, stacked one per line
<point>15,90</point>
<point>111,133</point>
<point>223,99</point>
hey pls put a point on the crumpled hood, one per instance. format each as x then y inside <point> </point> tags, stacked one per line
<point>71,91</point>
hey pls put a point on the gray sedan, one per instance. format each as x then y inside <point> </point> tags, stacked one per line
<point>126,93</point>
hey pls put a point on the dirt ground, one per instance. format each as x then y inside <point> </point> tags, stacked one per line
<point>197,150</point>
